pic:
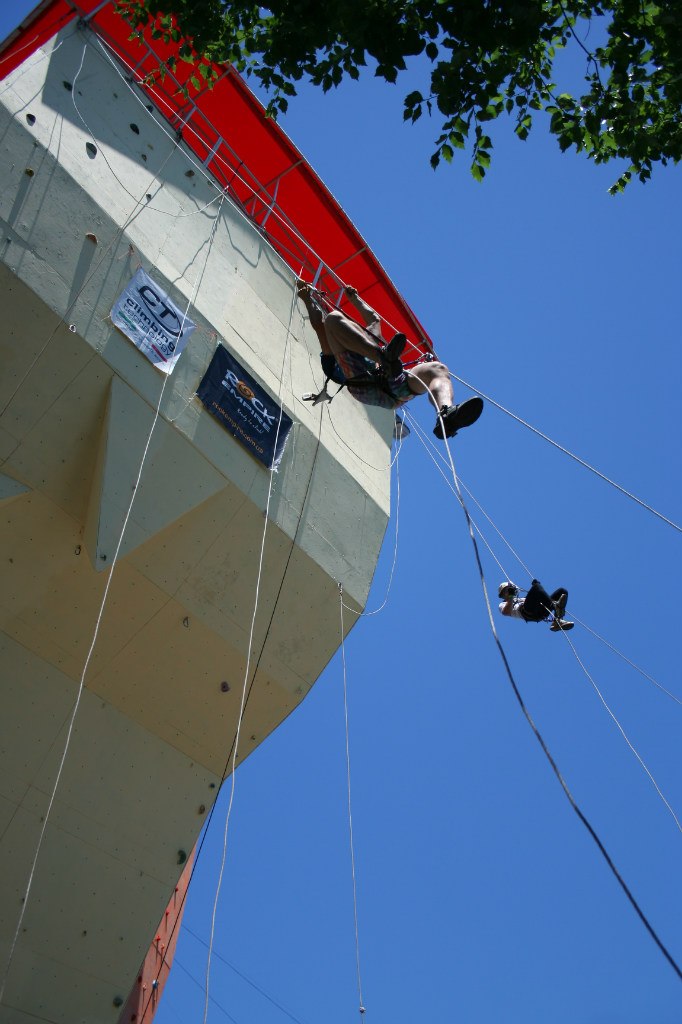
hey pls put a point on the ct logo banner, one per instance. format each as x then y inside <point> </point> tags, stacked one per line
<point>163,313</point>
<point>245,408</point>
<point>152,321</point>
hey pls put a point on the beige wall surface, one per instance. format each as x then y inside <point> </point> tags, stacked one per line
<point>86,199</point>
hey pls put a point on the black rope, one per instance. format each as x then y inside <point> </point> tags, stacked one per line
<point>246,978</point>
<point>619,878</point>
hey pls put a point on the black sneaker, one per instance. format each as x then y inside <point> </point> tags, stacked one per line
<point>455,417</point>
<point>391,353</point>
<point>560,606</point>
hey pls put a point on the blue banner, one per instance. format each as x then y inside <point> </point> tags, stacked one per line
<point>244,408</point>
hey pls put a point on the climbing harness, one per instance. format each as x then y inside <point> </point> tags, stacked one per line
<point>372,379</point>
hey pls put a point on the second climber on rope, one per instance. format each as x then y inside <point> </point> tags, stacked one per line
<point>536,606</point>
<point>358,358</point>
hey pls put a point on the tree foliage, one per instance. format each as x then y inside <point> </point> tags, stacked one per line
<point>480,59</point>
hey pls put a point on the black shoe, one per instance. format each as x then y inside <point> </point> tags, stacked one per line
<point>560,606</point>
<point>391,353</point>
<point>455,417</point>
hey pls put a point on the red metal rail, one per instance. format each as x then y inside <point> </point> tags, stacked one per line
<point>247,154</point>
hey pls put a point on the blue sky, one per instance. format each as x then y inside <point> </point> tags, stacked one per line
<point>481,898</point>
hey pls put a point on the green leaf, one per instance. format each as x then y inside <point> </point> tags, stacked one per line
<point>487,57</point>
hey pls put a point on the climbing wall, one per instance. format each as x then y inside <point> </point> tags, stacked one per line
<point>133,526</point>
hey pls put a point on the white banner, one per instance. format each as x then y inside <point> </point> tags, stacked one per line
<point>145,314</point>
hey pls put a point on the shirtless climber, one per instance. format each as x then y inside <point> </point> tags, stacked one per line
<point>536,606</point>
<point>371,369</point>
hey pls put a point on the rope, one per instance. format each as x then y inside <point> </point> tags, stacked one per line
<point>426,443</point>
<point>274,211</point>
<point>431,451</point>
<point>621,730</point>
<point>376,469</point>
<point>166,213</point>
<point>626,659</point>
<point>226,767</point>
<point>576,458</point>
<point>253,677</point>
<point>375,611</point>
<point>286,222</point>
<point>245,977</point>
<point>138,207</point>
<point>178,963</point>
<point>100,614</point>
<point>537,734</point>
<point>361,1006</point>
<point>20,49</point>
<point>248,665</point>
<point>233,172</point>
<point>470,523</point>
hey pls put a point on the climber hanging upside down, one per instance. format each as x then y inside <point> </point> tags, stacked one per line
<point>358,358</point>
<point>536,606</point>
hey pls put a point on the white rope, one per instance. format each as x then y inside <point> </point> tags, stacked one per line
<point>274,210</point>
<point>166,213</point>
<point>361,1006</point>
<point>139,206</point>
<point>289,226</point>
<point>191,158</point>
<point>100,614</point>
<point>247,671</point>
<point>576,458</point>
<point>600,695</point>
<point>626,659</point>
<point>427,446</point>
<point>375,611</point>
<point>497,530</point>
<point>569,796</point>
<point>353,451</point>
<point>13,78</point>
<point>621,730</point>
